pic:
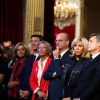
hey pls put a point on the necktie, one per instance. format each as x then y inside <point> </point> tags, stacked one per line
<point>59,56</point>
<point>91,59</point>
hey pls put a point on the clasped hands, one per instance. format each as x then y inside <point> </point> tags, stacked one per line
<point>68,98</point>
<point>42,94</point>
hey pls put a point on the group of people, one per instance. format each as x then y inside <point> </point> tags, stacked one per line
<point>36,72</point>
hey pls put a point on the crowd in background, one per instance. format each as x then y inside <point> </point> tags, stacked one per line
<point>37,72</point>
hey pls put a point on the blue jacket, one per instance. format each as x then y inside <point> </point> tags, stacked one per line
<point>56,83</point>
<point>25,76</point>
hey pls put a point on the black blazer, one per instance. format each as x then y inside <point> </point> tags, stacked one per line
<point>75,70</point>
<point>88,87</point>
<point>56,83</point>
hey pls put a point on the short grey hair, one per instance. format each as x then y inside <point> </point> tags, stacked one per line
<point>67,37</point>
<point>97,36</point>
<point>48,46</point>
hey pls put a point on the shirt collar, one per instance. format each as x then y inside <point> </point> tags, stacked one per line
<point>95,55</point>
<point>63,52</point>
<point>37,55</point>
<point>43,62</point>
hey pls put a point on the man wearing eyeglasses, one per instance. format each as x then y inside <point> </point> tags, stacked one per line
<point>54,73</point>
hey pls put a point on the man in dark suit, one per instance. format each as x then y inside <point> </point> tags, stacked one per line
<point>88,87</point>
<point>24,86</point>
<point>61,57</point>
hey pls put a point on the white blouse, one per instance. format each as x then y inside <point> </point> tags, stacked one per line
<point>40,70</point>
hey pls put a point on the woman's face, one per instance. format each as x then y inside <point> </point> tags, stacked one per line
<point>21,52</point>
<point>43,50</point>
<point>31,51</point>
<point>78,49</point>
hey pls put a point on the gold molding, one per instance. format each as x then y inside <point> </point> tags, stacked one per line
<point>34,18</point>
<point>80,19</point>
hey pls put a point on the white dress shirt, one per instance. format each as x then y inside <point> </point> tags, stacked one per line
<point>63,53</point>
<point>95,55</point>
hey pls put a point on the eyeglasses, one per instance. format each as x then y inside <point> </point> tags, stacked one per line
<point>59,40</point>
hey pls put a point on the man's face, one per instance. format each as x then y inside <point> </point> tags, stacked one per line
<point>7,44</point>
<point>61,42</point>
<point>93,44</point>
<point>35,42</point>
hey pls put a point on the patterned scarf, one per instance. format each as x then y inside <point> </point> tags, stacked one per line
<point>17,69</point>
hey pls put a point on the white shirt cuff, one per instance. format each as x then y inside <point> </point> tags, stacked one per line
<point>36,90</point>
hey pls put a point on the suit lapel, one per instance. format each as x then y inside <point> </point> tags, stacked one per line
<point>46,65</point>
<point>91,63</point>
<point>67,53</point>
<point>94,60</point>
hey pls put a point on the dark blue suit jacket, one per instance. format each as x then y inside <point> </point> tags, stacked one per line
<point>25,76</point>
<point>88,87</point>
<point>56,83</point>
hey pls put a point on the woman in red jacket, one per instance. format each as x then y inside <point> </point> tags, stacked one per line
<point>37,83</point>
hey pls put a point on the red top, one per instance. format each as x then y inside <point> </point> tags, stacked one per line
<point>34,80</point>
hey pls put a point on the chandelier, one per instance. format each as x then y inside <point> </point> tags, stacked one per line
<point>65,13</point>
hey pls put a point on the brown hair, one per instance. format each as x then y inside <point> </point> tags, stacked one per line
<point>17,45</point>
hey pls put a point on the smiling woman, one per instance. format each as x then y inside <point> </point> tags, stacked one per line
<point>20,50</point>
<point>21,53</point>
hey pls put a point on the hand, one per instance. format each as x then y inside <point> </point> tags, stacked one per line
<point>13,84</point>
<point>54,74</point>
<point>76,99</point>
<point>56,53</point>
<point>45,97</point>
<point>40,94</point>
<point>23,94</point>
<point>68,98</point>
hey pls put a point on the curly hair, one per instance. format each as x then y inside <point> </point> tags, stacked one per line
<point>49,47</point>
<point>84,42</point>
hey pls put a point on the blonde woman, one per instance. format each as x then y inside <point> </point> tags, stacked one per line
<point>20,52</point>
<point>80,58</point>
